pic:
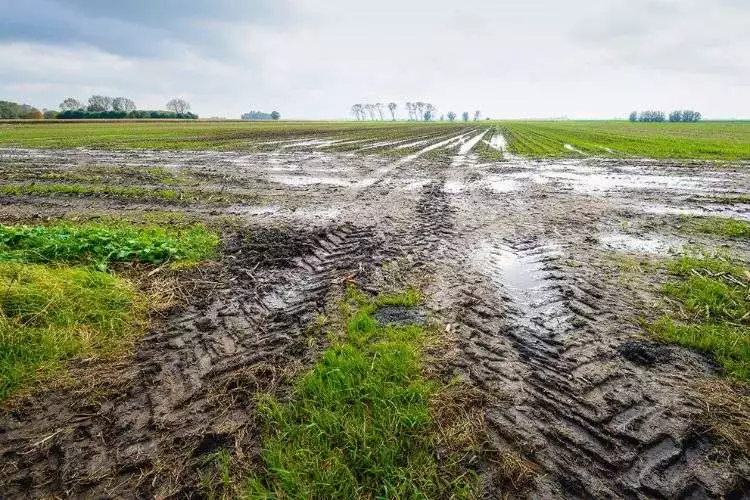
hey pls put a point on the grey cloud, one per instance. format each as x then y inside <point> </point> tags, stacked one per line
<point>138,28</point>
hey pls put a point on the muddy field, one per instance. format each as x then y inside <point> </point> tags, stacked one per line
<point>525,262</point>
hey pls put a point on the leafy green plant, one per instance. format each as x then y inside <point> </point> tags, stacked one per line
<point>102,244</point>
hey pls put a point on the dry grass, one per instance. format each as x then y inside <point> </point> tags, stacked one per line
<point>726,414</point>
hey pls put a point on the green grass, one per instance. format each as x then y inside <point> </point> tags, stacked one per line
<point>56,300</point>
<point>102,244</point>
<point>724,226</point>
<point>49,314</point>
<point>358,425</point>
<point>712,314</point>
<point>131,192</point>
<point>621,139</point>
<point>228,135</point>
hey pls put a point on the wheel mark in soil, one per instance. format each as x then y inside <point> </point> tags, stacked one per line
<point>189,389</point>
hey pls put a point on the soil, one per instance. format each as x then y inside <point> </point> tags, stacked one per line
<point>526,266</point>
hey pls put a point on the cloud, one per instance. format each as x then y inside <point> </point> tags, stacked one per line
<point>544,58</point>
<point>137,28</point>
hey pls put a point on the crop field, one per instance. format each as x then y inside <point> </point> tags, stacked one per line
<point>483,309</point>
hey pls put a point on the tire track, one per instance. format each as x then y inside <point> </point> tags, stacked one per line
<point>597,427</point>
<point>145,427</point>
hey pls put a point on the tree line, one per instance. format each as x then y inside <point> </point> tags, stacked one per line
<point>101,106</point>
<point>686,115</point>
<point>417,111</point>
<point>259,115</point>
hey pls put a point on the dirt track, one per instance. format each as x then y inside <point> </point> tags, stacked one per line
<point>524,264</point>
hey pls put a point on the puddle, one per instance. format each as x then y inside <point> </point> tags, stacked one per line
<point>254,210</point>
<point>521,274</point>
<point>469,145</point>
<point>570,147</point>
<point>436,145</point>
<point>498,142</point>
<point>308,180</point>
<point>454,187</point>
<point>635,244</point>
<point>597,180</point>
<point>502,184</point>
<point>327,213</point>
<point>720,211</point>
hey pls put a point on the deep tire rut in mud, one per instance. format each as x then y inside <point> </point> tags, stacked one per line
<point>146,427</point>
<point>598,427</point>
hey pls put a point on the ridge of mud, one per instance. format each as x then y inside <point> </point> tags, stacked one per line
<point>145,426</point>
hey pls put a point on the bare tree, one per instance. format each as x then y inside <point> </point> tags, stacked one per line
<point>71,104</point>
<point>379,108</point>
<point>633,116</point>
<point>429,112</point>
<point>358,112</point>
<point>410,109</point>
<point>392,107</point>
<point>465,116</point>
<point>178,105</point>
<point>451,115</point>
<point>123,104</point>
<point>99,103</point>
<point>477,114</point>
<point>371,111</point>
<point>420,110</point>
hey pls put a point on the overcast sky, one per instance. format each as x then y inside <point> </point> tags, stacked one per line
<point>313,59</point>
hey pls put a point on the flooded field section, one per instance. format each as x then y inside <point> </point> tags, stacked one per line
<point>541,273</point>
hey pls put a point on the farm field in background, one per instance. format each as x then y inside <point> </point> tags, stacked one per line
<point>535,139</point>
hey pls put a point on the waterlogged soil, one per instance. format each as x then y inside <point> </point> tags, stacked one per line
<point>527,263</point>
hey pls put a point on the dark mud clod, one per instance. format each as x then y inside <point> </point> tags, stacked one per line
<point>398,315</point>
<point>645,352</point>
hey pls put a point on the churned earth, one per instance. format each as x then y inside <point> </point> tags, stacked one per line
<point>525,262</point>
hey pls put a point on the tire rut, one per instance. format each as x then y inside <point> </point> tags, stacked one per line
<point>145,427</point>
<point>597,427</point>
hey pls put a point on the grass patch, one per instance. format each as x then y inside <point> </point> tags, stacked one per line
<point>50,314</point>
<point>102,244</point>
<point>359,425</point>
<point>57,301</point>
<point>711,298</point>
<point>724,226</point>
<point>140,193</point>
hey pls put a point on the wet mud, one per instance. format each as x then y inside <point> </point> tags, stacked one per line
<point>523,265</point>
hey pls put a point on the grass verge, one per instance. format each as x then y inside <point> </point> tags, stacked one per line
<point>359,424</point>
<point>711,310</point>
<point>723,226</point>
<point>140,193</point>
<point>51,313</point>
<point>55,306</point>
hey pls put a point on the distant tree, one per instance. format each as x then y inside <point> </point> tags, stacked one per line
<point>392,107</point>
<point>370,111</point>
<point>429,112</point>
<point>410,109</point>
<point>50,114</point>
<point>442,118</point>
<point>123,104</point>
<point>357,111</point>
<point>451,115</point>
<point>465,116</point>
<point>633,116</point>
<point>71,104</point>
<point>178,105</point>
<point>12,110</point>
<point>275,115</point>
<point>477,114</point>
<point>420,110</point>
<point>99,103</point>
<point>689,115</point>
<point>379,108</point>
<point>257,115</point>
<point>675,116</point>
